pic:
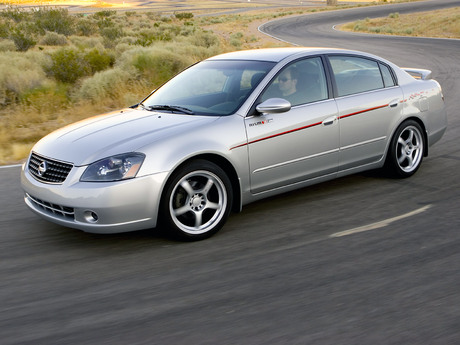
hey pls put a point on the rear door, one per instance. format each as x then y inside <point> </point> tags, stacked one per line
<point>369,106</point>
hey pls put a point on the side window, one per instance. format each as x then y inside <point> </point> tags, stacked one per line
<point>355,74</point>
<point>386,74</point>
<point>300,82</point>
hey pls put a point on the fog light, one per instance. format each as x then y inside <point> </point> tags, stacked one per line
<point>91,217</point>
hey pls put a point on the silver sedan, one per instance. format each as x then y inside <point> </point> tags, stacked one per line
<point>230,130</point>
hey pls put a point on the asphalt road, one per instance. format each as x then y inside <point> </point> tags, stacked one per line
<point>278,273</point>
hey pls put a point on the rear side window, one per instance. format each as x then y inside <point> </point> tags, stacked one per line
<point>387,77</point>
<point>354,75</point>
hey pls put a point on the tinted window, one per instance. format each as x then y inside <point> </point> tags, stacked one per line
<point>387,76</point>
<point>354,74</point>
<point>301,82</point>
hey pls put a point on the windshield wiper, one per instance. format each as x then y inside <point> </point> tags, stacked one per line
<point>171,108</point>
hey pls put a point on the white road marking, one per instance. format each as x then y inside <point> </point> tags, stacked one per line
<point>380,224</point>
<point>10,166</point>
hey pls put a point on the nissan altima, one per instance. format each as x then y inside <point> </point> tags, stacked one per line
<point>230,130</point>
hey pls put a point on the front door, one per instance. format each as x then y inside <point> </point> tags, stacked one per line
<point>298,145</point>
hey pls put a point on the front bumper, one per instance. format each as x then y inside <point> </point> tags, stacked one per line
<point>106,207</point>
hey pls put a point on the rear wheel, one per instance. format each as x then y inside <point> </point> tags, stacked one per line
<point>197,201</point>
<point>406,150</point>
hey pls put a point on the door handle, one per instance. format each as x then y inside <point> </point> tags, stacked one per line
<point>394,104</point>
<point>329,121</point>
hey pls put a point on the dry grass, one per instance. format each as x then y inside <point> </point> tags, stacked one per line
<point>442,23</point>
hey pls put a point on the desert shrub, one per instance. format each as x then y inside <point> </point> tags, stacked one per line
<point>14,13</point>
<point>83,42</point>
<point>204,39</point>
<point>56,20</point>
<point>98,60</point>
<point>188,30</point>
<point>110,83</point>
<point>54,39</point>
<point>105,23</point>
<point>112,33</point>
<point>236,39</point>
<point>160,32</point>
<point>7,45</point>
<point>22,39</point>
<point>184,15</point>
<point>105,13</point>
<point>146,37</point>
<point>70,64</point>
<point>86,27</point>
<point>154,64</point>
<point>46,97</point>
<point>4,29</point>
<point>18,74</point>
<point>131,40</point>
<point>154,16</point>
<point>67,65</point>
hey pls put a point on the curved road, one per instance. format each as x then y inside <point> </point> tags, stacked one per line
<point>359,260</point>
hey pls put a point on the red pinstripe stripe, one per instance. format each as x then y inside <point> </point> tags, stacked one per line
<point>363,111</point>
<point>308,126</point>
<point>278,134</point>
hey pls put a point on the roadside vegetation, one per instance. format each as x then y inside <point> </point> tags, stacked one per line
<point>57,68</point>
<point>442,23</point>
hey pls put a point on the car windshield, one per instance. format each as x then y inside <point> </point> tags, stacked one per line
<point>212,88</point>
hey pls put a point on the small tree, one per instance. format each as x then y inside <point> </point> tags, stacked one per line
<point>332,2</point>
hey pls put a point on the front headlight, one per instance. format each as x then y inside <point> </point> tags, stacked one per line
<point>114,168</point>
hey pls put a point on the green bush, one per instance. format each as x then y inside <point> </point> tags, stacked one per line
<point>54,39</point>
<point>4,29</point>
<point>13,80</point>
<point>106,13</point>
<point>110,83</point>
<point>83,42</point>
<point>154,64</point>
<point>14,13</point>
<point>204,39</point>
<point>7,46</point>
<point>184,15</point>
<point>98,61</point>
<point>68,66</point>
<point>85,27</point>
<point>22,39</point>
<point>112,33</point>
<point>56,20</point>
<point>46,97</point>
<point>105,23</point>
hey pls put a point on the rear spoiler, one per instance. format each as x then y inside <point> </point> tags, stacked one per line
<point>418,73</point>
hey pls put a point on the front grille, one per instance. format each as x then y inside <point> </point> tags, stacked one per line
<point>48,170</point>
<point>56,210</point>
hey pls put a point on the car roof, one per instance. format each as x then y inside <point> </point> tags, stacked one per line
<point>277,54</point>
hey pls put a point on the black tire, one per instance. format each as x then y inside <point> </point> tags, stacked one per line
<point>407,147</point>
<point>197,201</point>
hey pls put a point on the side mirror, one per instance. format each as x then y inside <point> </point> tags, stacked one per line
<point>274,106</point>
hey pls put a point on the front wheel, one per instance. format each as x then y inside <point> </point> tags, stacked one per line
<point>406,150</point>
<point>197,201</point>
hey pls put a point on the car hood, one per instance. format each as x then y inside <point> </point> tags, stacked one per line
<point>109,134</point>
